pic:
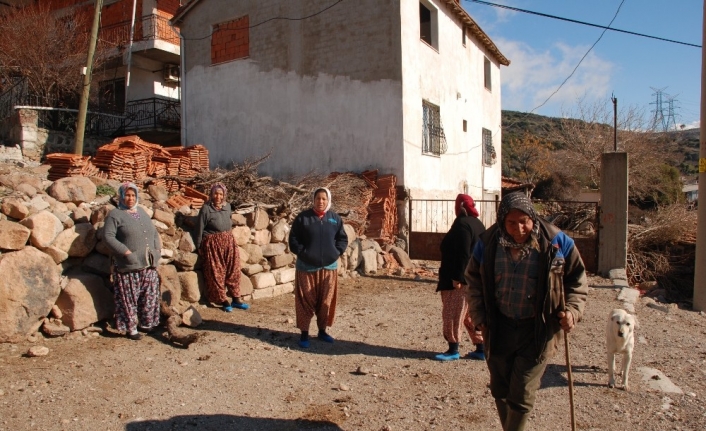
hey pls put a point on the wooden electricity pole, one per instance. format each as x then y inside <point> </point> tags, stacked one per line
<point>83,105</point>
<point>700,260</point>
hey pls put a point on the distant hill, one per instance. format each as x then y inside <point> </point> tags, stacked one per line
<point>515,124</point>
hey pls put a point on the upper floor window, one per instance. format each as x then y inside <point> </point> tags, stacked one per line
<point>428,24</point>
<point>433,137</point>
<point>486,74</point>
<point>230,40</point>
<point>489,155</point>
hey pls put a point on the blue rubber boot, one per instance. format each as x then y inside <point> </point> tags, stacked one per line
<point>446,356</point>
<point>323,336</point>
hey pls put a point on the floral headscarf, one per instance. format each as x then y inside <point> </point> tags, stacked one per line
<point>124,187</point>
<point>217,186</point>
<point>518,201</point>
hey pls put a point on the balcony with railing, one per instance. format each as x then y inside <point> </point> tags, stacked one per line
<point>152,32</point>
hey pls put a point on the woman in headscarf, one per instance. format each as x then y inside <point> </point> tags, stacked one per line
<point>136,248</point>
<point>318,239</point>
<point>517,306</point>
<point>216,245</point>
<point>456,249</point>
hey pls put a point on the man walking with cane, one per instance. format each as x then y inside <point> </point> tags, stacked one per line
<point>514,303</point>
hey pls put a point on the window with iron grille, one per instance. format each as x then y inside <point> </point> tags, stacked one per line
<point>433,138</point>
<point>489,155</point>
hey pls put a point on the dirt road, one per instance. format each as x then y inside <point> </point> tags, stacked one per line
<point>247,373</point>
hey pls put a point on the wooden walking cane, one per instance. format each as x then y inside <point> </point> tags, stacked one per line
<point>558,276</point>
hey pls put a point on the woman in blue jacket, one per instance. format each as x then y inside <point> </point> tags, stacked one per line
<point>318,239</point>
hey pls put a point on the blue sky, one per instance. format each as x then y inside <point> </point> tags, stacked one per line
<point>544,51</point>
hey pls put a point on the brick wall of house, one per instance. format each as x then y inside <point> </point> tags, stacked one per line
<point>230,40</point>
<point>168,6</point>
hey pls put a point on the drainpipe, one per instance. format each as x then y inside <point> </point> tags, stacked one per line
<point>182,82</point>
<point>129,52</point>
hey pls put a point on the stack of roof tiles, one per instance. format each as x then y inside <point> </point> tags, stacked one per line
<point>129,158</point>
<point>382,210</point>
<point>71,165</point>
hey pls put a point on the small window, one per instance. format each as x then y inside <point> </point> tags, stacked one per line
<point>489,155</point>
<point>433,137</point>
<point>486,74</point>
<point>465,126</point>
<point>428,30</point>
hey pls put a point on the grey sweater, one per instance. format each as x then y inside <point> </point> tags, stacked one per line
<point>122,233</point>
<point>211,221</point>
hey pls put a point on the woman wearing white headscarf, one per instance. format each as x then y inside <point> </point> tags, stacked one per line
<point>136,248</point>
<point>318,240</point>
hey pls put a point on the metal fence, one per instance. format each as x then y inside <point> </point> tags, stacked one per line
<point>430,219</point>
<point>149,27</point>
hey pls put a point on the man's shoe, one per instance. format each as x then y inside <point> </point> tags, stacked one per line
<point>134,337</point>
<point>447,356</point>
<point>304,344</point>
<point>240,305</point>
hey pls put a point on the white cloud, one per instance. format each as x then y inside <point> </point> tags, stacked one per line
<point>534,75</point>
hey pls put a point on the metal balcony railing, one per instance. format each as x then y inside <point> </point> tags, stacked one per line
<point>149,27</point>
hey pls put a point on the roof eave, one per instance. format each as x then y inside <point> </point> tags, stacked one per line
<point>477,32</point>
<point>182,12</point>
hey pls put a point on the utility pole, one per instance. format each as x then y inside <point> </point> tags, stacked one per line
<point>700,260</point>
<point>83,105</point>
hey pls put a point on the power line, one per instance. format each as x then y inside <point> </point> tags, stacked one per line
<point>272,19</point>
<point>582,58</point>
<point>575,21</point>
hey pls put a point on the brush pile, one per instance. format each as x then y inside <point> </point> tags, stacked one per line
<point>661,249</point>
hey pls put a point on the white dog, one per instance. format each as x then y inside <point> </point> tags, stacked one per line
<point>620,338</point>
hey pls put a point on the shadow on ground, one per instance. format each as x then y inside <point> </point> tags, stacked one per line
<point>230,423</point>
<point>289,339</point>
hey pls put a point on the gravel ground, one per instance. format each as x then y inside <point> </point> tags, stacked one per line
<point>246,372</point>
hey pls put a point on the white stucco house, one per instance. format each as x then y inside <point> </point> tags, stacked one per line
<point>409,87</point>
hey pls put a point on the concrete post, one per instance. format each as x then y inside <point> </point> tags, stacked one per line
<point>613,243</point>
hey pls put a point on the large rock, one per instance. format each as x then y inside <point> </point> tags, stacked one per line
<point>56,254</point>
<point>238,219</point>
<point>261,237</point>
<point>241,235</point>
<point>263,280</point>
<point>13,236</point>
<point>45,228</point>
<point>186,243</point>
<point>170,288</point>
<point>284,275</point>
<point>97,263</point>
<point>254,253</point>
<point>354,256</point>
<point>246,287</point>
<point>84,301</point>
<point>280,230</point>
<point>99,214</point>
<point>15,179</point>
<point>14,208</point>
<point>158,193</point>
<point>73,189</point>
<point>253,269</point>
<point>191,317</point>
<point>370,261</point>
<point>189,282</point>
<point>185,261</point>
<point>258,219</point>
<point>281,260</point>
<point>29,286</point>
<point>350,232</point>
<point>77,241</point>
<point>273,249</point>
<point>402,257</point>
<point>166,217</point>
